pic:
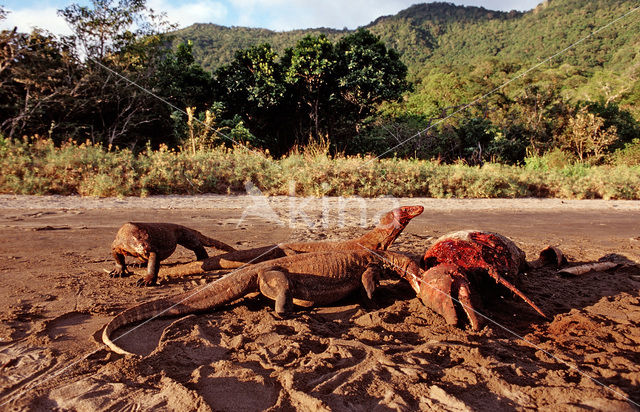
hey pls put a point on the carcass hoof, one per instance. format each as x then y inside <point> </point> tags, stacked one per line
<point>444,289</point>
<point>551,255</point>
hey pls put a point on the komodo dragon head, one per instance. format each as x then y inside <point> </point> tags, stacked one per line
<point>391,225</point>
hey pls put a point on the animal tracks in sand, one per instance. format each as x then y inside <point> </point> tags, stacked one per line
<point>388,354</point>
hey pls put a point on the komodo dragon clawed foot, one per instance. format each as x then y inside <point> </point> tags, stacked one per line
<point>274,283</point>
<point>120,273</point>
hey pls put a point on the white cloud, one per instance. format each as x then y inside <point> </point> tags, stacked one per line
<point>287,14</point>
<point>271,14</point>
<point>26,19</point>
<point>504,5</point>
<point>337,14</point>
<point>185,14</point>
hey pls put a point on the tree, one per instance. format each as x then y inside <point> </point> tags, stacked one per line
<point>8,42</point>
<point>253,86</point>
<point>368,73</point>
<point>182,81</point>
<point>106,27</point>
<point>39,77</point>
<point>541,112</point>
<point>310,71</point>
<point>122,44</point>
<point>315,92</point>
<point>587,136</point>
<point>626,126</point>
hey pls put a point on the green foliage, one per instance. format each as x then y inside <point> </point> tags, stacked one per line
<point>310,72</point>
<point>253,80</point>
<point>439,92</point>
<point>252,88</point>
<point>457,54</point>
<point>627,128</point>
<point>215,46</point>
<point>629,155</point>
<point>38,75</point>
<point>343,90</point>
<point>123,45</point>
<point>182,81</point>
<point>317,92</point>
<point>554,159</point>
<point>368,74</point>
<point>81,86</point>
<point>38,166</point>
<point>104,27</point>
<point>586,136</point>
<point>442,34</point>
<point>398,135</point>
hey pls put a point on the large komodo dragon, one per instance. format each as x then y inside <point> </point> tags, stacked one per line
<point>154,242</point>
<point>308,279</point>
<point>381,237</point>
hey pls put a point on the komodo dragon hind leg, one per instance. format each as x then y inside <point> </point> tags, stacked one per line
<point>153,267</point>
<point>275,285</point>
<point>193,244</point>
<point>371,279</point>
<point>201,254</point>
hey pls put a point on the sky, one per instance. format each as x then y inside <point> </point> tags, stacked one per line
<point>279,15</point>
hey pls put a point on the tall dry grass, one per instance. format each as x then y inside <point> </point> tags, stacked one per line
<point>37,166</point>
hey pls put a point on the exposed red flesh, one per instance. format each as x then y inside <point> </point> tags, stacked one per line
<point>477,252</point>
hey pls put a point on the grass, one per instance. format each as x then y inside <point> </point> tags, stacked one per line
<point>37,166</point>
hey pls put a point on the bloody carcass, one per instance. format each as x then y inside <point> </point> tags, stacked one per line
<point>459,264</point>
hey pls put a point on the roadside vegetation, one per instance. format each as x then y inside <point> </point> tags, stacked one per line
<point>338,112</point>
<point>39,166</point>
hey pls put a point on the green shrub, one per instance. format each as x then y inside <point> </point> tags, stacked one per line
<point>37,166</point>
<point>629,155</point>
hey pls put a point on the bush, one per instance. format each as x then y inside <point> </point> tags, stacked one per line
<point>553,159</point>
<point>629,155</point>
<point>37,166</point>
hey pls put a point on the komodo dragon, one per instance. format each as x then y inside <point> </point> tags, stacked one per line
<point>381,237</point>
<point>154,242</point>
<point>308,279</point>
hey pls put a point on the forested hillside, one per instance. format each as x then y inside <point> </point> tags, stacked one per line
<point>214,45</point>
<point>435,81</point>
<point>435,34</point>
<point>456,54</point>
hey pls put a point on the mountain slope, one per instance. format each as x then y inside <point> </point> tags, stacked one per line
<point>436,34</point>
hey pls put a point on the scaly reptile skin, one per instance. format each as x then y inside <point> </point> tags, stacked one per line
<point>379,238</point>
<point>308,279</point>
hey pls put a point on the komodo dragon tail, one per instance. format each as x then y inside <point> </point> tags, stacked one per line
<point>207,241</point>
<point>212,295</point>
<point>144,311</point>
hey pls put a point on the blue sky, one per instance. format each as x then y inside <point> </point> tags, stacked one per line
<point>270,14</point>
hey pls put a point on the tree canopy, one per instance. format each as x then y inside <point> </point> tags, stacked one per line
<point>434,81</point>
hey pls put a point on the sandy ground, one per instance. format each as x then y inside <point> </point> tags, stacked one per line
<point>387,354</point>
